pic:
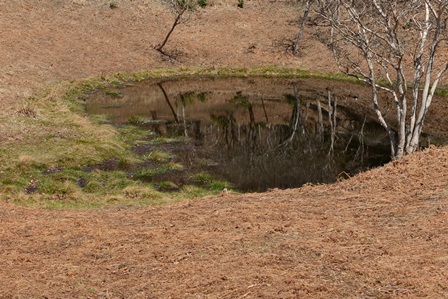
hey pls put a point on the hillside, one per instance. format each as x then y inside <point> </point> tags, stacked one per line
<point>61,40</point>
<point>380,234</point>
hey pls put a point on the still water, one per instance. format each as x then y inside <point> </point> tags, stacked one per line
<point>255,133</point>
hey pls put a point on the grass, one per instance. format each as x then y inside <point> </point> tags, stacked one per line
<point>207,181</point>
<point>236,72</point>
<point>132,134</point>
<point>163,139</point>
<point>168,186</point>
<point>113,93</point>
<point>49,131</point>
<point>136,120</point>
<point>158,156</point>
<point>443,91</point>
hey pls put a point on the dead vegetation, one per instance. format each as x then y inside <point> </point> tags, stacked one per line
<point>381,234</point>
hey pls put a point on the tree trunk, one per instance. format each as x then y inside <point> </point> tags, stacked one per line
<point>176,22</point>
<point>295,48</point>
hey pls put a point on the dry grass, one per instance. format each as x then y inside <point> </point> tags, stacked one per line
<point>363,237</point>
<point>381,234</point>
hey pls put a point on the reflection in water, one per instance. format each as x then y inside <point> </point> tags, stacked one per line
<point>281,139</point>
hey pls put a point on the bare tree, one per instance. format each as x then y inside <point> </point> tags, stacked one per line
<point>306,12</point>
<point>393,46</point>
<point>180,7</point>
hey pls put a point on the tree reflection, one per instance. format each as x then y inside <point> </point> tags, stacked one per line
<point>257,145</point>
<point>165,96</point>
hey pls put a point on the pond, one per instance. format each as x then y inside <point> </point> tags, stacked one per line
<point>255,133</point>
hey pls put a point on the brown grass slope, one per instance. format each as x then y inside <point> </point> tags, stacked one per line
<point>53,40</point>
<point>381,234</point>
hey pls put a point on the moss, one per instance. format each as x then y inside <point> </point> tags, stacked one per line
<point>168,186</point>
<point>162,139</point>
<point>113,93</point>
<point>205,180</point>
<point>131,135</point>
<point>158,156</point>
<point>442,91</point>
<point>136,121</point>
<point>149,173</point>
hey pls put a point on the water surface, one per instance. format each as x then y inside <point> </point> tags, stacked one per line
<point>255,133</point>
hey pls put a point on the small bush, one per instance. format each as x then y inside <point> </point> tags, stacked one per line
<point>113,93</point>
<point>141,192</point>
<point>206,180</point>
<point>136,121</point>
<point>158,156</point>
<point>168,186</point>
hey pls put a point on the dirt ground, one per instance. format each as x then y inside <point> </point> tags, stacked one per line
<point>381,234</point>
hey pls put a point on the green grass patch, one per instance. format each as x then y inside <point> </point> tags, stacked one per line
<point>158,156</point>
<point>236,72</point>
<point>132,135</point>
<point>148,173</point>
<point>163,139</point>
<point>205,180</point>
<point>167,186</point>
<point>442,91</point>
<point>113,93</point>
<point>136,120</point>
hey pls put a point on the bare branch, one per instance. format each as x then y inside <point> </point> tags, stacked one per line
<point>392,38</point>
